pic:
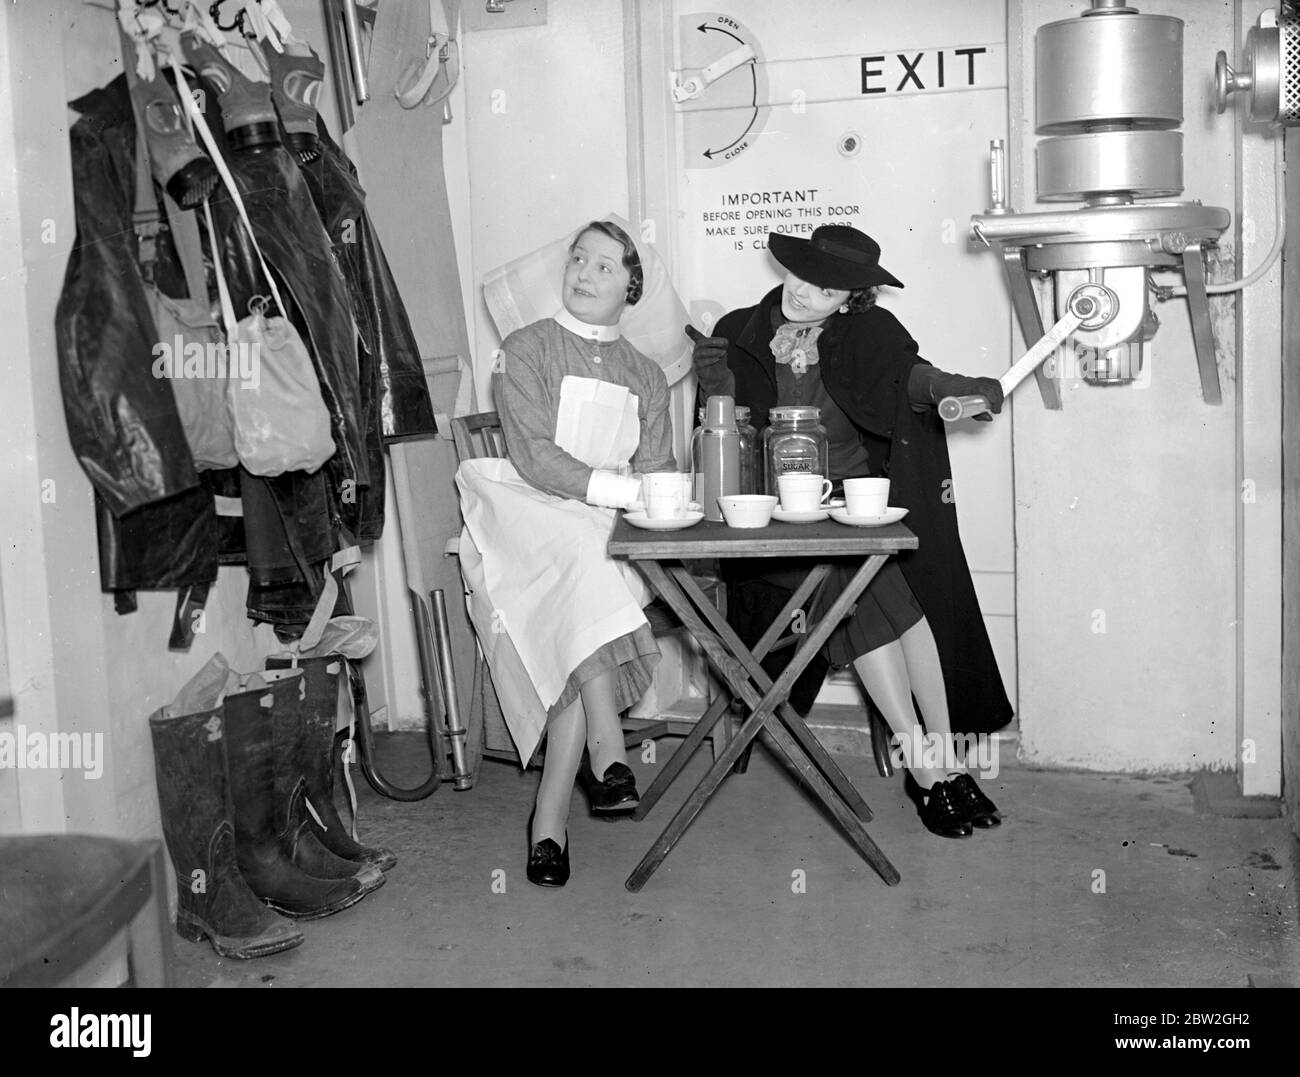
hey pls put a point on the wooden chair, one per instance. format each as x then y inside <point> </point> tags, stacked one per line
<point>480,435</point>
<point>65,897</point>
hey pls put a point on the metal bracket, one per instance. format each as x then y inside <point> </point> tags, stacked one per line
<point>1198,305</point>
<point>1030,319</point>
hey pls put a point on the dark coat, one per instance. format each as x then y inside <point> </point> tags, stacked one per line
<point>865,363</point>
<point>395,403</point>
<point>157,524</point>
<point>122,421</point>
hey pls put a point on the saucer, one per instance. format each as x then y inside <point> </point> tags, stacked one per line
<point>889,516</point>
<point>810,516</point>
<point>639,506</point>
<point>638,518</point>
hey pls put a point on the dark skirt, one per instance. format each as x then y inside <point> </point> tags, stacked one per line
<point>757,589</point>
<point>884,611</point>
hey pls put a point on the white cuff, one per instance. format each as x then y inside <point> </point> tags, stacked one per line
<point>610,490</point>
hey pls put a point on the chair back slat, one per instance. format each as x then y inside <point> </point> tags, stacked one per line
<point>478,436</point>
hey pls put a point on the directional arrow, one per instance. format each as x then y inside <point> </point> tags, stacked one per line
<point>705,29</point>
<point>753,103</point>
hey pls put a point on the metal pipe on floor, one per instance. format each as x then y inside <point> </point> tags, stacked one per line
<point>457,732</point>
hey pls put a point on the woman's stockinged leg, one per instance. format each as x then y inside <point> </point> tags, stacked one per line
<point>884,674</point>
<point>926,674</point>
<point>604,729</point>
<point>566,736</point>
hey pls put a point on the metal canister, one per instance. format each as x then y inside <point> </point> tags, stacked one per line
<point>751,462</point>
<point>715,455</point>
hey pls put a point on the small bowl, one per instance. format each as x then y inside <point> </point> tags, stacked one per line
<point>747,510</point>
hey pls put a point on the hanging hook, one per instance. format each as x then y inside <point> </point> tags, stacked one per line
<point>238,24</point>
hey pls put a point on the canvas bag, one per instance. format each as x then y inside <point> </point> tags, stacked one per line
<point>187,334</point>
<point>272,393</point>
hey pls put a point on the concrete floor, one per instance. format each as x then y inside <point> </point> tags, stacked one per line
<point>1189,899</point>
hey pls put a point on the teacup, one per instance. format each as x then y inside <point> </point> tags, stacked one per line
<point>866,497</point>
<point>803,493</point>
<point>666,494</point>
<point>747,510</point>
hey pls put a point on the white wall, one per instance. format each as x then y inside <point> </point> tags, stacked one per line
<point>546,131</point>
<point>1129,613</point>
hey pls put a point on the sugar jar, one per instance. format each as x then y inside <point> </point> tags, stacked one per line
<point>794,444</point>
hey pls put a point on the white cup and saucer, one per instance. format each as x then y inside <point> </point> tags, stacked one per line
<point>666,503</point>
<point>866,504</point>
<point>803,497</point>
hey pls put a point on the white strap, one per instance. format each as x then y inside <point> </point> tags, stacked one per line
<point>202,127</point>
<point>346,559</point>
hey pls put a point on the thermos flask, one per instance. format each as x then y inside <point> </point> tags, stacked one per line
<point>715,453</point>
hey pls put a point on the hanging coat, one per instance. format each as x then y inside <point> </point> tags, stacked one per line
<point>158,528</point>
<point>122,421</point>
<point>297,248</point>
<point>394,394</point>
<point>405,409</point>
<point>156,524</point>
<point>866,360</point>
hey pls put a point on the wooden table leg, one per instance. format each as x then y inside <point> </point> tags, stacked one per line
<point>718,707</point>
<point>761,711</point>
<point>678,760</point>
<point>826,793</point>
<point>769,638</point>
<point>807,739</point>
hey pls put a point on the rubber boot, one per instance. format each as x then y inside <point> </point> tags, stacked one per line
<point>296,76</point>
<point>213,900</point>
<point>247,113</point>
<point>288,720</point>
<point>320,711</point>
<point>263,860</point>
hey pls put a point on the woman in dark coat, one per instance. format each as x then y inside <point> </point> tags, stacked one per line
<point>819,339</point>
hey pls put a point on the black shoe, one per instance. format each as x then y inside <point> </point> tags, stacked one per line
<point>941,811</point>
<point>982,812</point>
<point>548,864</point>
<point>615,794</point>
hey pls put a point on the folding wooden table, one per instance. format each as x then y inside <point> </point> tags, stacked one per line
<point>658,555</point>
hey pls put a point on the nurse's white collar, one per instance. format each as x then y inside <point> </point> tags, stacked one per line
<point>576,326</point>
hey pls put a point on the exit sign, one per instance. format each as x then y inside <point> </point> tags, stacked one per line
<point>961,67</point>
<point>878,74</point>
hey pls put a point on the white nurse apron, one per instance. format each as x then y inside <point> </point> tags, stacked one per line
<point>543,595</point>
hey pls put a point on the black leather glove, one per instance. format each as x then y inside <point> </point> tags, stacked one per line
<point>927,385</point>
<point>710,358</point>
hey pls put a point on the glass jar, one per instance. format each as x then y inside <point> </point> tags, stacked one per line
<point>794,444</point>
<point>749,462</point>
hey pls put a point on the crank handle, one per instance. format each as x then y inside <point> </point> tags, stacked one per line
<point>691,86</point>
<point>952,408</point>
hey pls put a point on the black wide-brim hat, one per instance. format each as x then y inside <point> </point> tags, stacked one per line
<point>835,257</point>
